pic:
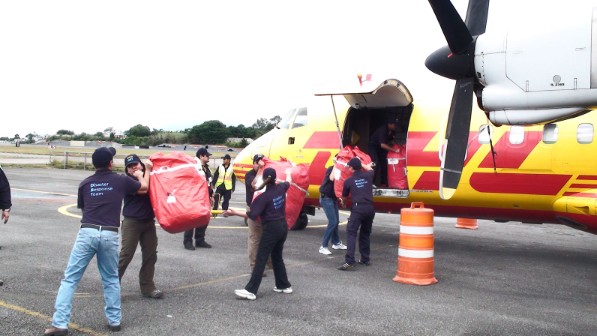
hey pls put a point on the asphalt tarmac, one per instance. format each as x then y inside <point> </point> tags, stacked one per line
<point>502,279</point>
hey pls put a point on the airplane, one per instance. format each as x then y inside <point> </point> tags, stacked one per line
<point>531,169</point>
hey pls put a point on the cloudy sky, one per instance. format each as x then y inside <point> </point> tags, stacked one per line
<point>88,65</point>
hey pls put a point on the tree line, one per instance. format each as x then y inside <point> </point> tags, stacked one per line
<point>210,132</point>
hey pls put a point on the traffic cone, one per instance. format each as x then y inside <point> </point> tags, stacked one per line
<point>467,223</point>
<point>415,247</point>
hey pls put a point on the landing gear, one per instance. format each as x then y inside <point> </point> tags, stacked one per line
<point>301,222</point>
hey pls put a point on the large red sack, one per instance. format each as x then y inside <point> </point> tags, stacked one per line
<point>341,171</point>
<point>295,196</point>
<point>397,168</point>
<point>178,192</point>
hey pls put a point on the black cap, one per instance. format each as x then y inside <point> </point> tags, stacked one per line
<point>202,152</point>
<point>226,157</point>
<point>392,121</point>
<point>269,172</point>
<point>102,156</point>
<point>355,163</point>
<point>130,159</point>
<point>257,157</point>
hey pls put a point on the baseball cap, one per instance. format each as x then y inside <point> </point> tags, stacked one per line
<point>130,159</point>
<point>202,152</point>
<point>269,172</point>
<point>392,121</point>
<point>355,163</point>
<point>257,157</point>
<point>102,156</point>
<point>226,157</point>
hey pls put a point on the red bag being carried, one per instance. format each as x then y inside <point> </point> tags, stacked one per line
<point>178,192</point>
<point>341,171</point>
<point>295,196</point>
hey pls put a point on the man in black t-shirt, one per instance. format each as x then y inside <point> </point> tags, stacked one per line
<point>138,228</point>
<point>360,188</point>
<point>100,200</point>
<point>380,143</point>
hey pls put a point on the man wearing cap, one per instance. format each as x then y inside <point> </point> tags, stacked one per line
<point>380,143</point>
<point>138,228</point>
<point>100,200</point>
<point>225,183</point>
<point>203,156</point>
<point>360,188</point>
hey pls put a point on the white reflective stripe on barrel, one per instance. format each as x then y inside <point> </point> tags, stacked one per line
<point>417,230</point>
<point>415,253</point>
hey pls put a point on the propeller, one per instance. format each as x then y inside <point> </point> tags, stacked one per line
<point>456,61</point>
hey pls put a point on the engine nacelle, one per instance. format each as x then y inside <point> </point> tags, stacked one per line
<point>538,74</point>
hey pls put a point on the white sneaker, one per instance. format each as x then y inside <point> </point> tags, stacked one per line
<point>324,250</point>
<point>339,246</point>
<point>245,294</point>
<point>285,290</point>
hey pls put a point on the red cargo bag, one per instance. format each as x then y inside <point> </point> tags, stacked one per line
<point>178,192</point>
<point>295,196</point>
<point>397,168</point>
<point>341,171</point>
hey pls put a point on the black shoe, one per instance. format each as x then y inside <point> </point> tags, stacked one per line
<point>202,244</point>
<point>155,294</point>
<point>366,263</point>
<point>114,328</point>
<point>346,267</point>
<point>53,331</point>
<point>189,246</point>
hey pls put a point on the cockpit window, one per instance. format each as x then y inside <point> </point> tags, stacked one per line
<point>294,118</point>
<point>285,122</point>
<point>301,117</point>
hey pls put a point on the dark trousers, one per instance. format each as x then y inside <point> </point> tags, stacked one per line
<point>222,193</point>
<point>361,216</point>
<point>199,235</point>
<point>139,232</point>
<point>272,243</point>
<point>380,157</point>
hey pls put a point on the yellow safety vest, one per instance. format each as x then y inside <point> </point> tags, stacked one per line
<point>225,176</point>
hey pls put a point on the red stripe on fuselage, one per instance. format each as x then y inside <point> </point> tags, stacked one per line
<point>581,194</point>
<point>418,157</point>
<point>429,180</point>
<point>587,177</point>
<point>589,186</point>
<point>512,183</point>
<point>323,139</point>
<point>511,156</point>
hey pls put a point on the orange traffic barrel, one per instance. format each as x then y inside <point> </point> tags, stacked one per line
<point>415,246</point>
<point>467,223</point>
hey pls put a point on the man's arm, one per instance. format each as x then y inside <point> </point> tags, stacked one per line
<point>233,180</point>
<point>144,183</point>
<point>146,174</point>
<point>215,177</point>
<point>5,199</point>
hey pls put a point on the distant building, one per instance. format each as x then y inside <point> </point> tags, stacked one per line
<point>249,140</point>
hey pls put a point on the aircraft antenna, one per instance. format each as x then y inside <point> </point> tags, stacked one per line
<point>337,123</point>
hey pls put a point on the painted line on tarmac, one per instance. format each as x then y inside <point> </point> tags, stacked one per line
<point>71,326</point>
<point>44,192</point>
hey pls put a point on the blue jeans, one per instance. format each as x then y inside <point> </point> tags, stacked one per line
<point>330,207</point>
<point>90,242</point>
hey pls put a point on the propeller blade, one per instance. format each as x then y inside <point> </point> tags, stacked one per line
<point>454,29</point>
<point>457,132</point>
<point>476,16</point>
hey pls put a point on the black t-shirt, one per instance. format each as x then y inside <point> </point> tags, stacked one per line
<point>249,177</point>
<point>100,197</point>
<point>360,187</point>
<point>381,135</point>
<point>327,187</point>
<point>137,206</point>
<point>271,204</point>
<point>207,172</point>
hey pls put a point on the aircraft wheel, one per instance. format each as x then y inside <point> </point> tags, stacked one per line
<point>301,222</point>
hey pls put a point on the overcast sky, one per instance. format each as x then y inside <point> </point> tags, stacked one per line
<point>88,65</point>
